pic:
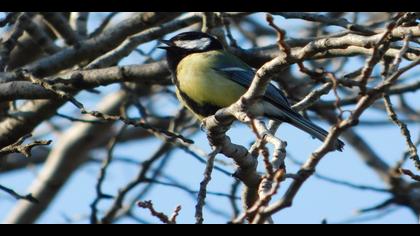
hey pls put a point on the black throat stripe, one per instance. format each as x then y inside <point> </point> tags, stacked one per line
<point>204,110</point>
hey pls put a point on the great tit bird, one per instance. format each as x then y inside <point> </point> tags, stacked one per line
<point>209,78</point>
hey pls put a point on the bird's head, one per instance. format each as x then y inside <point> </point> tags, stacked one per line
<point>187,43</point>
<point>190,42</point>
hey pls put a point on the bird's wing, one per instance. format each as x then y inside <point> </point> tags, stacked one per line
<point>278,107</point>
<point>244,77</point>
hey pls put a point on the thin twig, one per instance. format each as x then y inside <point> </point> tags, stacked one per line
<point>10,43</point>
<point>188,190</point>
<point>103,25</point>
<point>203,187</point>
<point>139,123</point>
<point>379,50</point>
<point>140,178</point>
<point>161,216</point>
<point>73,119</point>
<point>232,198</point>
<point>226,23</point>
<point>26,149</point>
<point>409,173</point>
<point>17,196</point>
<point>102,175</point>
<point>342,182</point>
<point>259,206</point>
<point>379,206</point>
<point>58,22</point>
<point>342,22</point>
<point>412,149</point>
<point>175,214</point>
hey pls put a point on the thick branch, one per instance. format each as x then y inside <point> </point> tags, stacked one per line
<point>69,152</point>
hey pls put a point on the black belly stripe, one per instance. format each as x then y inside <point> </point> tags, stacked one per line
<point>205,109</point>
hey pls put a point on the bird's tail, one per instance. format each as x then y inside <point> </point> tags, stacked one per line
<point>300,122</point>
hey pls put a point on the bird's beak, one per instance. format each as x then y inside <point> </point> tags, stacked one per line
<point>166,44</point>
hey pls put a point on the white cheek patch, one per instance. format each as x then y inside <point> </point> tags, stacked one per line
<point>199,44</point>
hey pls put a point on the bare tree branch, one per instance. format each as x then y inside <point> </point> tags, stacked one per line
<point>340,68</point>
<point>58,22</point>
<point>17,196</point>
<point>68,154</point>
<point>203,188</point>
<point>162,217</point>
<point>78,22</point>
<point>102,174</point>
<point>26,149</point>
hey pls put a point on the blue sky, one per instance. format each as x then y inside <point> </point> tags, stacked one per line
<point>316,201</point>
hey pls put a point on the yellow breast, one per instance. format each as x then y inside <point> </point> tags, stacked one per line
<point>205,85</point>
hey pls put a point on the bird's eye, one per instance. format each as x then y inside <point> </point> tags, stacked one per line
<point>199,44</point>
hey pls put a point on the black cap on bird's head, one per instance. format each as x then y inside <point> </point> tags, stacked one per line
<point>193,41</point>
<point>187,43</point>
